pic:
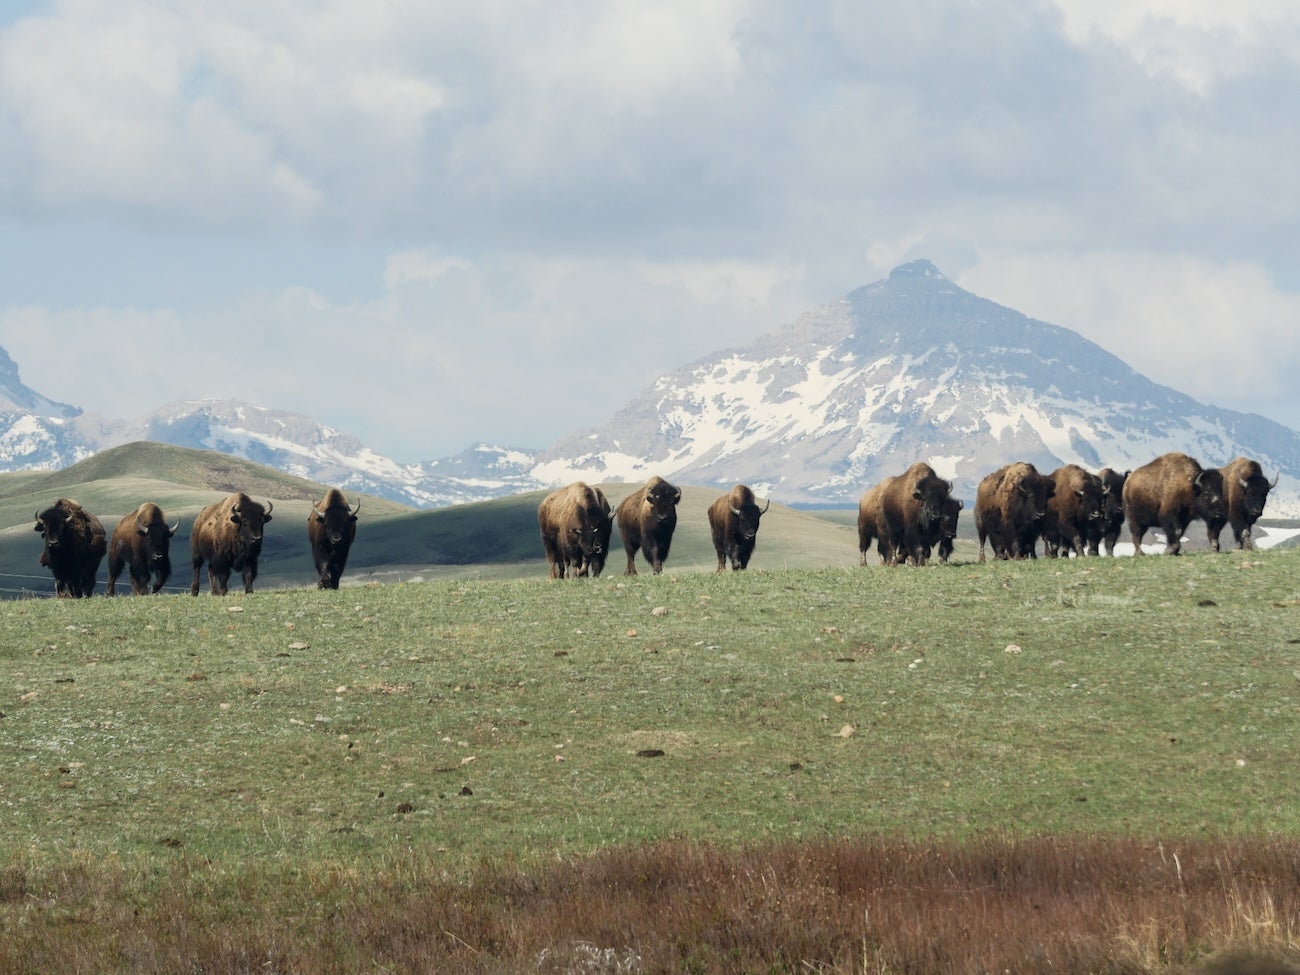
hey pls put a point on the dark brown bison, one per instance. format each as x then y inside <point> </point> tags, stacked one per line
<point>1010,506</point>
<point>141,544</point>
<point>1106,529</point>
<point>331,529</point>
<point>911,508</point>
<point>603,516</point>
<point>733,522</point>
<point>871,523</point>
<point>228,536</point>
<point>1245,489</point>
<point>1073,512</point>
<point>567,519</point>
<point>74,546</point>
<point>646,520</point>
<point>1168,493</point>
<point>949,516</point>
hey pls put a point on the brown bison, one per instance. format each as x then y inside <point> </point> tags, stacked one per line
<point>911,507</point>
<point>567,520</point>
<point>1106,529</point>
<point>1168,493</point>
<point>1010,506</point>
<point>74,546</point>
<point>141,544</point>
<point>1073,512</point>
<point>1245,489</point>
<point>603,515</point>
<point>949,515</point>
<point>646,520</point>
<point>733,522</point>
<point>871,523</point>
<point>228,536</point>
<point>331,529</point>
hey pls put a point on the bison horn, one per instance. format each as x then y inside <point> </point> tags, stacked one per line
<point>269,506</point>
<point>1275,480</point>
<point>357,508</point>
<point>766,506</point>
<point>172,529</point>
<point>734,510</point>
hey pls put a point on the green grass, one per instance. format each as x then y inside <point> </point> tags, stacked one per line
<point>481,719</point>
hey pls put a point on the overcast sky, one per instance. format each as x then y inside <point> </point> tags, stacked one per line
<point>430,224</point>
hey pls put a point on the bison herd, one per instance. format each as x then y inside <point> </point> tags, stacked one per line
<point>227,536</point>
<point>909,517</point>
<point>576,523</point>
<point>1070,510</point>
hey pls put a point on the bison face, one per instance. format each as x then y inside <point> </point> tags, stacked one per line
<point>747,518</point>
<point>336,523</point>
<point>1254,493</point>
<point>1211,504</point>
<point>663,502</point>
<point>52,524</point>
<point>157,539</point>
<point>251,521</point>
<point>948,519</point>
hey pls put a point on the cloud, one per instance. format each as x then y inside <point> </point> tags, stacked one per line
<point>1222,332</point>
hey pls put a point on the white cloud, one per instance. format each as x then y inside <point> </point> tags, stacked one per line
<point>1222,332</point>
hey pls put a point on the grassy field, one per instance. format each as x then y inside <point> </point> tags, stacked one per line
<point>1085,764</point>
<point>486,717</point>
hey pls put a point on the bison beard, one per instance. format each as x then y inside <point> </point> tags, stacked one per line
<point>74,547</point>
<point>331,529</point>
<point>733,522</point>
<point>142,544</point>
<point>646,520</point>
<point>228,536</point>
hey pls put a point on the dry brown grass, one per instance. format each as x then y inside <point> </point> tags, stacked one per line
<point>990,904</point>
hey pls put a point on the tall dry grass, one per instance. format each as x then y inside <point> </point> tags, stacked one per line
<point>988,904</point>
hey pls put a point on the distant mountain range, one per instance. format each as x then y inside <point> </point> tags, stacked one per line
<point>909,368</point>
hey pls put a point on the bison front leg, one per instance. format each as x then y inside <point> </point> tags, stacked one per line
<point>250,573</point>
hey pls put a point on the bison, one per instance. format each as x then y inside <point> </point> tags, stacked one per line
<point>911,507</point>
<point>1073,512</point>
<point>1010,506</point>
<point>1245,489</point>
<point>331,529</point>
<point>646,520</point>
<point>228,536</point>
<point>567,519</point>
<point>141,544</point>
<point>74,546</point>
<point>871,523</point>
<point>1105,531</point>
<point>1168,493</point>
<point>603,516</point>
<point>733,522</point>
<point>949,515</point>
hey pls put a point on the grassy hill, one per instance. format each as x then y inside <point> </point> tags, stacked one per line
<point>490,539</point>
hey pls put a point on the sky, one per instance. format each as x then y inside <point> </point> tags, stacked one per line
<point>431,224</point>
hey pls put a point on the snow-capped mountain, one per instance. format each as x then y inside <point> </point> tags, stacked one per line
<point>909,368</point>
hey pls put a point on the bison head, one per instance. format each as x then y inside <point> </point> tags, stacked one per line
<point>157,537</point>
<point>747,517</point>
<point>250,518</point>
<point>1211,504</point>
<point>52,523</point>
<point>336,521</point>
<point>662,498</point>
<point>1254,492</point>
